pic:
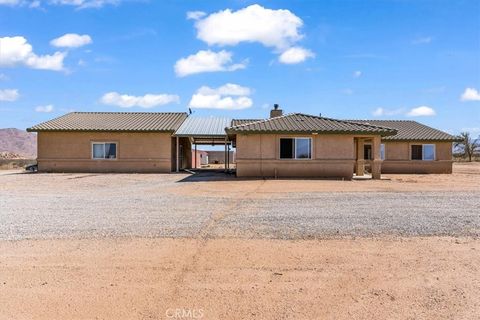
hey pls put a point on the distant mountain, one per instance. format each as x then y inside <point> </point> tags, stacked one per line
<point>19,142</point>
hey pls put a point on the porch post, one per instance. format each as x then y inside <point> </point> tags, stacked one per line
<point>228,157</point>
<point>177,154</point>
<point>360,164</point>
<point>377,159</point>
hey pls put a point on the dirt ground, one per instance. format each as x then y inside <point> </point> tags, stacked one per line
<point>465,177</point>
<point>414,278</point>
<point>205,277</point>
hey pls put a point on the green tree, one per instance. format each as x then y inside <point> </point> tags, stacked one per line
<point>468,146</point>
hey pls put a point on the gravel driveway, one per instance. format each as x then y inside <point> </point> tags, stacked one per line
<point>63,205</point>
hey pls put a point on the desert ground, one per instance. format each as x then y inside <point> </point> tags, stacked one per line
<point>181,246</point>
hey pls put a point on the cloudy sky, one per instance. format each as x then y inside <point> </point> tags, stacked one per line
<point>397,59</point>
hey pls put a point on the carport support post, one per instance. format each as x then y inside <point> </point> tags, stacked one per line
<point>195,155</point>
<point>225,155</point>
<point>177,155</point>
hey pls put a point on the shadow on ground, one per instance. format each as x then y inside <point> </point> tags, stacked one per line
<point>210,175</point>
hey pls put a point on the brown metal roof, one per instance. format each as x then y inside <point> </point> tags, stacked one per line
<point>410,130</point>
<point>303,123</point>
<point>114,121</point>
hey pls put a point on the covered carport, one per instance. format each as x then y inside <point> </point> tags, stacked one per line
<point>204,131</point>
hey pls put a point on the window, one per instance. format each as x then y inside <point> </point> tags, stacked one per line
<point>423,152</point>
<point>295,148</point>
<point>101,150</point>
<point>382,151</point>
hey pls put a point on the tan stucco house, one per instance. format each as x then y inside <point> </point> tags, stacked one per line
<point>290,145</point>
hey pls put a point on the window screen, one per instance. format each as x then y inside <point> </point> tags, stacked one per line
<point>417,152</point>
<point>428,152</point>
<point>98,151</point>
<point>382,151</point>
<point>303,148</point>
<point>286,148</point>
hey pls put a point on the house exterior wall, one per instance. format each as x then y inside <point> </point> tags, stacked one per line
<point>398,155</point>
<point>72,152</point>
<point>202,158</point>
<point>258,155</point>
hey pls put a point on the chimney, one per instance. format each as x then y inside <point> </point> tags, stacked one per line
<point>276,112</point>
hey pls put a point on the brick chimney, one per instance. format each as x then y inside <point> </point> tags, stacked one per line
<point>276,112</point>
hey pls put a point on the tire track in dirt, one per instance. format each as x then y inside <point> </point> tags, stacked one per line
<point>202,238</point>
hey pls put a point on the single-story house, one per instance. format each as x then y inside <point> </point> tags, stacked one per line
<point>290,145</point>
<point>111,142</point>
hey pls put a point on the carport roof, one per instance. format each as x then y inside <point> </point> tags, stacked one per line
<point>203,127</point>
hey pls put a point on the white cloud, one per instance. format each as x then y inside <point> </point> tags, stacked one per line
<point>422,111</point>
<point>71,40</point>
<point>422,40</point>
<point>84,4</point>
<point>470,94</point>
<point>473,130</point>
<point>9,95</point>
<point>3,77</point>
<point>229,96</point>
<point>80,4</point>
<point>10,2</point>
<point>295,55</point>
<point>379,112</point>
<point>17,51</point>
<point>357,74</point>
<point>414,112</point>
<point>207,61</point>
<point>46,109</point>
<point>35,4</point>
<point>279,29</point>
<point>146,101</point>
<point>195,15</point>
<point>229,89</point>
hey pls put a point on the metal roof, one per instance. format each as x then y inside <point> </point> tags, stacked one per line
<point>114,121</point>
<point>410,130</point>
<point>203,127</point>
<point>303,123</point>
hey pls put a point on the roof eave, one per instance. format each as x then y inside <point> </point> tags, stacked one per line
<point>423,139</point>
<point>98,130</point>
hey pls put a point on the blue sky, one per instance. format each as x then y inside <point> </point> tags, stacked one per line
<point>344,59</point>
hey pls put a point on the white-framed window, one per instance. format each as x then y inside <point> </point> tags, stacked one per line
<point>424,152</point>
<point>296,148</point>
<point>104,150</point>
<point>382,151</point>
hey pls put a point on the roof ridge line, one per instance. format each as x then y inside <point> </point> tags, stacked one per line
<point>263,120</point>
